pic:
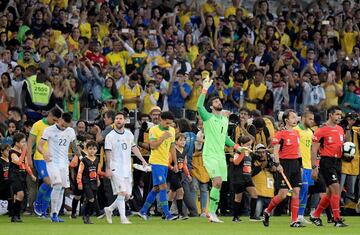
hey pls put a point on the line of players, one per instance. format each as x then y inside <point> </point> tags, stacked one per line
<point>59,137</point>
<point>53,137</point>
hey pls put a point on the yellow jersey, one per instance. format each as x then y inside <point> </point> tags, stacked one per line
<point>160,156</point>
<point>118,58</point>
<point>191,102</point>
<point>208,8</point>
<point>103,30</point>
<point>348,41</point>
<point>254,92</point>
<point>305,145</point>
<point>264,183</point>
<point>37,131</point>
<point>147,104</point>
<point>330,93</point>
<point>127,93</point>
<point>85,30</point>
<point>232,11</point>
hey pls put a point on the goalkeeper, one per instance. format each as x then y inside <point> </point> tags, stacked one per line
<point>215,131</point>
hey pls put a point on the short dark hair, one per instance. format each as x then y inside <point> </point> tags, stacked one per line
<point>184,125</point>
<point>56,112</point>
<point>307,112</point>
<point>244,139</point>
<point>91,143</point>
<point>210,102</point>
<point>66,117</point>
<point>110,114</point>
<point>167,115</point>
<point>259,123</point>
<point>18,136</point>
<point>244,109</point>
<point>142,116</point>
<point>287,114</point>
<point>351,83</point>
<point>332,110</point>
<point>121,113</point>
<point>79,121</point>
<point>15,109</point>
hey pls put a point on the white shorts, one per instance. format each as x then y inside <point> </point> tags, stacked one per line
<point>121,184</point>
<point>58,174</point>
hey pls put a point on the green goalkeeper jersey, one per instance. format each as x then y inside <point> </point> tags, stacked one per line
<point>215,132</point>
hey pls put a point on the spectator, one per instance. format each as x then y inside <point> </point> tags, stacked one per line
<point>177,92</point>
<point>351,101</point>
<point>255,90</point>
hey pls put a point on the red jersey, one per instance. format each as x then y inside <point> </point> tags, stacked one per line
<point>331,140</point>
<point>289,144</point>
<point>99,59</point>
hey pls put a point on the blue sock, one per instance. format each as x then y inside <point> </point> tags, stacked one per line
<point>148,202</point>
<point>46,199</point>
<point>303,198</point>
<point>164,202</point>
<point>40,194</point>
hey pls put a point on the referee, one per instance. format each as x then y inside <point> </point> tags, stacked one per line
<point>287,160</point>
<point>328,141</point>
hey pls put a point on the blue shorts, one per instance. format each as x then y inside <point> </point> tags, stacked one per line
<point>306,177</point>
<point>159,174</point>
<point>40,166</point>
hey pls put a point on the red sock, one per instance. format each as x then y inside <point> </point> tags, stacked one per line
<point>294,208</point>
<point>274,202</point>
<point>324,202</point>
<point>335,206</point>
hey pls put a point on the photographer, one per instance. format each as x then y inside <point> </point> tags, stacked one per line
<point>350,166</point>
<point>262,177</point>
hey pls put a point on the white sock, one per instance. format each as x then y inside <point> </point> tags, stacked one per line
<point>300,217</point>
<point>113,206</point>
<point>55,193</point>
<point>61,197</point>
<point>120,202</point>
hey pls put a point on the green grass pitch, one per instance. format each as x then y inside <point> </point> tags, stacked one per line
<point>278,225</point>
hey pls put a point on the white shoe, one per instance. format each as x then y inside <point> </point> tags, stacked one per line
<point>125,221</point>
<point>214,219</point>
<point>302,220</point>
<point>108,214</point>
<point>357,208</point>
<point>204,215</point>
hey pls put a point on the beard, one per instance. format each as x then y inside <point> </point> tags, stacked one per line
<point>218,109</point>
<point>119,126</point>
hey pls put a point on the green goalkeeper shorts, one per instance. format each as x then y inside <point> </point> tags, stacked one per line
<point>216,166</point>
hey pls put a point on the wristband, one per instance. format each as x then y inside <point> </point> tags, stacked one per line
<point>276,164</point>
<point>314,167</point>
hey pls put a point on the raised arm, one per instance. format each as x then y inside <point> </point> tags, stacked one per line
<point>204,114</point>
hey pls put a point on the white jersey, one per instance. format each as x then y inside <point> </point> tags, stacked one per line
<point>59,143</point>
<point>119,145</point>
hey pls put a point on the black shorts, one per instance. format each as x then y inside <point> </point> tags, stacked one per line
<point>292,170</point>
<point>175,181</point>
<point>77,191</point>
<point>18,184</point>
<point>240,186</point>
<point>90,191</point>
<point>330,169</point>
<point>319,186</point>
